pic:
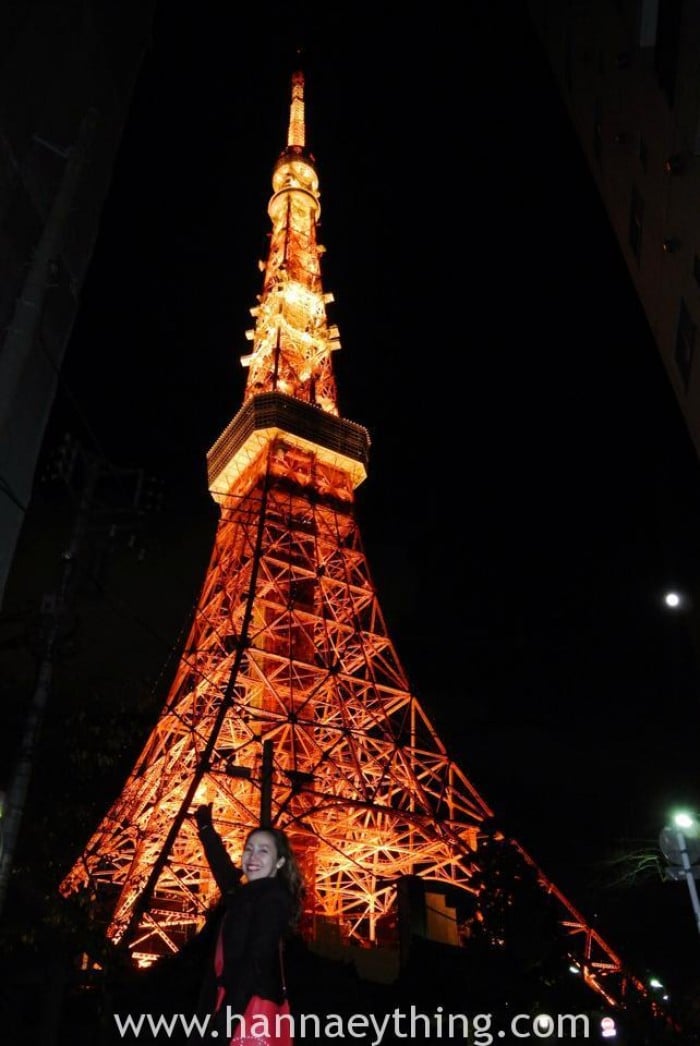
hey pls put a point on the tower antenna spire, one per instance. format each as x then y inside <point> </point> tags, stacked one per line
<point>296,135</point>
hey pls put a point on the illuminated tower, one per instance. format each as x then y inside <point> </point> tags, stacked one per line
<point>290,703</point>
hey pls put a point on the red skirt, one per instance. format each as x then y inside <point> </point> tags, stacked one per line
<point>264,1023</point>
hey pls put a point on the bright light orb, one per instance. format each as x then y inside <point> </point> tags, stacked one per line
<point>683,820</point>
<point>672,600</point>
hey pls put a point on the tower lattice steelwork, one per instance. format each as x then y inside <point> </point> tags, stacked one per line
<point>289,698</point>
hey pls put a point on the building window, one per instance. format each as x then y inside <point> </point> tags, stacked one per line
<point>685,343</point>
<point>668,31</point>
<point>636,222</point>
<point>643,155</point>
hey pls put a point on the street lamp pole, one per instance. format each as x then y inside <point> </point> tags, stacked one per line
<point>680,844</point>
<point>689,875</point>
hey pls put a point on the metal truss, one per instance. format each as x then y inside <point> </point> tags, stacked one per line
<point>289,702</point>
<point>289,646</point>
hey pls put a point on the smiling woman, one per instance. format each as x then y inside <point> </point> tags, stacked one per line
<point>250,989</point>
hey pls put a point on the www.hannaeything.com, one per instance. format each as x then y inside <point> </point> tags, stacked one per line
<point>480,1029</point>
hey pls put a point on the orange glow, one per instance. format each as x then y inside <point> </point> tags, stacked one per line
<point>289,647</point>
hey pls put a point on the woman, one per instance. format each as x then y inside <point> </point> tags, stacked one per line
<point>258,915</point>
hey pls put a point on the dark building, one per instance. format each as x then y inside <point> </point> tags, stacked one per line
<point>628,74</point>
<point>67,73</point>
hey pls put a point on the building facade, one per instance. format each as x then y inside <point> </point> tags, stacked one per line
<point>629,77</point>
<point>67,74</point>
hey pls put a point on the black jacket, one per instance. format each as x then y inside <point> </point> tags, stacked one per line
<point>256,917</point>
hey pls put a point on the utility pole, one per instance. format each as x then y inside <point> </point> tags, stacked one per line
<point>266,786</point>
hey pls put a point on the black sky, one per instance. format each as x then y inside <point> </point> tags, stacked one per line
<point>532,487</point>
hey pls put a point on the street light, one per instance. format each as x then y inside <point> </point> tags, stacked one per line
<point>680,844</point>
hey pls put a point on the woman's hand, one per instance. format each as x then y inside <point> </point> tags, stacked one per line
<point>202,816</point>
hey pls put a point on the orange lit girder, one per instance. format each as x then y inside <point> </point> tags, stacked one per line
<point>289,647</point>
<point>600,967</point>
<point>358,767</point>
<point>292,338</point>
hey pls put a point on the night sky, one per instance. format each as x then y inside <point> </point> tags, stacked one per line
<point>532,487</point>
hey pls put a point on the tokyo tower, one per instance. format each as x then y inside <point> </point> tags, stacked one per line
<point>290,705</point>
